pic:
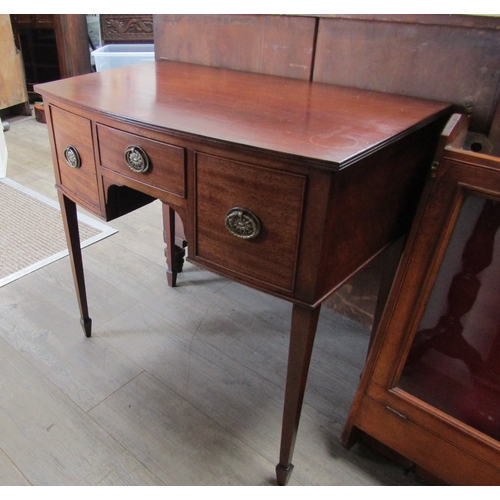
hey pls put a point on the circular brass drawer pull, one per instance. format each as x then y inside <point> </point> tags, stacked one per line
<point>242,223</point>
<point>137,159</point>
<point>72,157</point>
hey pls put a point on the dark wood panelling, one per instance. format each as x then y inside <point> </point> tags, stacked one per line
<point>72,44</point>
<point>472,21</point>
<point>278,45</point>
<point>457,62</point>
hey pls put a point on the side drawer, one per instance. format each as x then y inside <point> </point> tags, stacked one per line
<point>75,155</point>
<point>165,168</point>
<point>276,198</point>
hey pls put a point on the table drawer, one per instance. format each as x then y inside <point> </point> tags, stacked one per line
<point>151,162</point>
<point>275,198</point>
<point>75,155</point>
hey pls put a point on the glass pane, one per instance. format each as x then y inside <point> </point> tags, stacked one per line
<point>454,361</point>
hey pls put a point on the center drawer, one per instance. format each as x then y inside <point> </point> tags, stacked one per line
<point>248,221</point>
<point>144,160</point>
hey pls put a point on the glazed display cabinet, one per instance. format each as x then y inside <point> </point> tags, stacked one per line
<point>431,387</point>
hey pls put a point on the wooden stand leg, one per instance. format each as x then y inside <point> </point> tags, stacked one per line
<point>303,331</point>
<point>70,221</point>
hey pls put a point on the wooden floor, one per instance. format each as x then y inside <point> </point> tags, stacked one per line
<point>177,386</point>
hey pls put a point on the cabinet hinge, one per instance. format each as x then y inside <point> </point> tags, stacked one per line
<point>396,412</point>
<point>434,168</point>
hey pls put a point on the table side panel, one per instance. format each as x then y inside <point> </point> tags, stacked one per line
<point>372,204</point>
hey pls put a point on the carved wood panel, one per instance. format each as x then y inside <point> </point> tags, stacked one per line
<point>126,28</point>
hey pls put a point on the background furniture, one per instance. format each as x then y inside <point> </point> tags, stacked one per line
<point>431,387</point>
<point>53,46</point>
<point>13,89</point>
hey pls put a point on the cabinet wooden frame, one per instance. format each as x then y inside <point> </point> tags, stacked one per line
<point>442,445</point>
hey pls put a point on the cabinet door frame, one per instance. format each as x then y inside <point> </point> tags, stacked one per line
<point>386,412</point>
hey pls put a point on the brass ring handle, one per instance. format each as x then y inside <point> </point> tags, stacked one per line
<point>242,223</point>
<point>137,159</point>
<point>72,157</point>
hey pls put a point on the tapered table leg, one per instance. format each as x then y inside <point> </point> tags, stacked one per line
<point>170,250</point>
<point>70,221</point>
<point>302,333</point>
